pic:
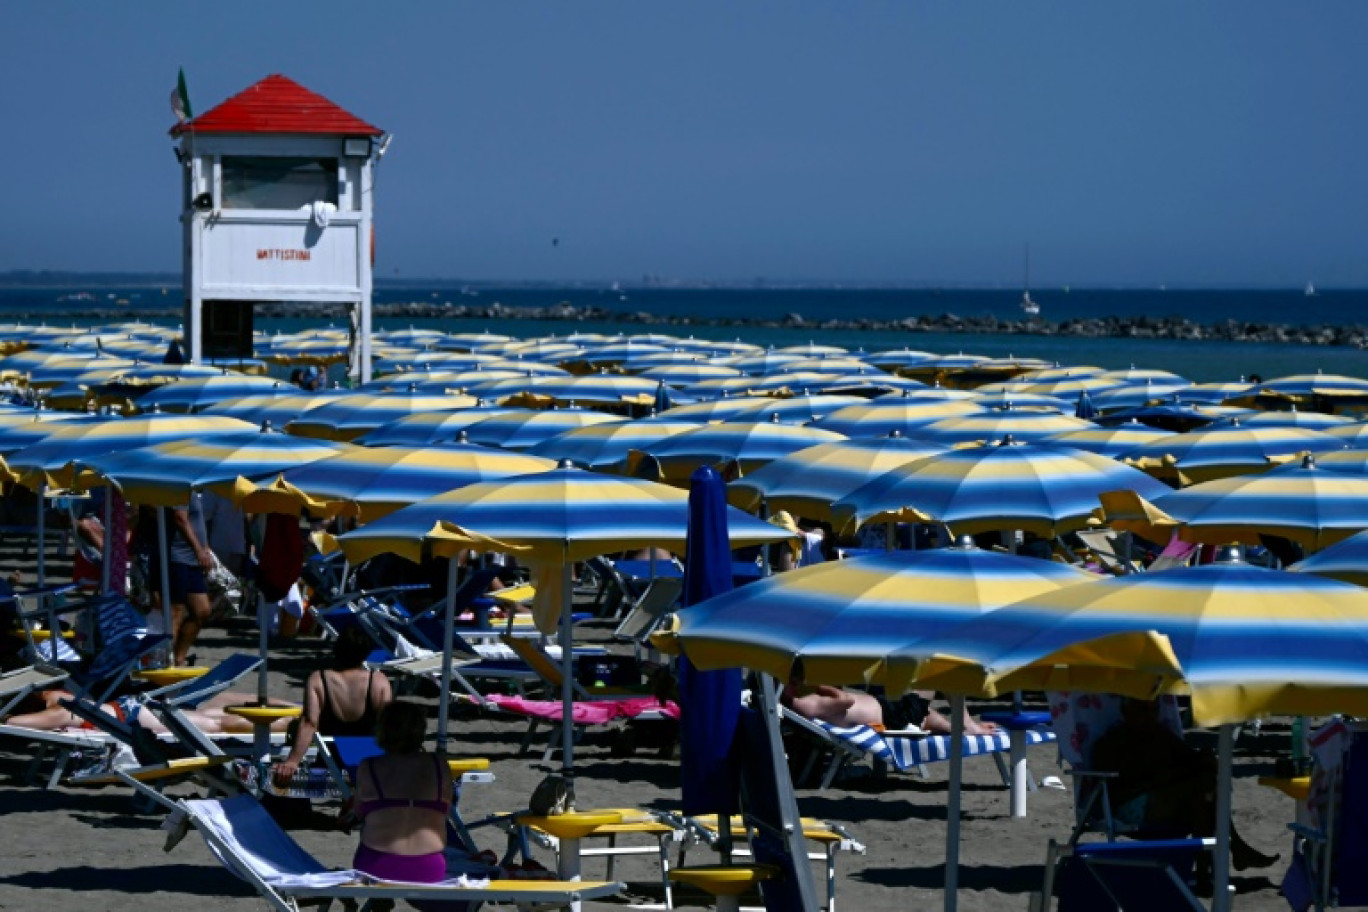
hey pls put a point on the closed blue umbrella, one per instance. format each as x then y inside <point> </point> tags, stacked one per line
<point>710,700</point>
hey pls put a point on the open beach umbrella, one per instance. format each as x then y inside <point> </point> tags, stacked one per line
<point>796,410</point>
<point>843,619</point>
<point>49,462</point>
<point>749,445</point>
<point>431,429</point>
<point>1112,442</point>
<point>1174,415</point>
<point>1134,395</point>
<point>279,410</point>
<point>806,483</point>
<point>193,394</point>
<point>867,384</point>
<point>905,415</point>
<point>1346,561</point>
<point>1046,491</point>
<point>166,475</point>
<point>1303,503</point>
<point>1331,388</point>
<point>756,365</point>
<point>550,520</point>
<point>609,389</point>
<point>524,429</point>
<point>1312,421</point>
<point>351,417</point>
<point>681,375</point>
<point>794,382</point>
<point>722,408</point>
<point>1224,450</point>
<point>896,359</point>
<point>1354,434</point>
<point>607,444</point>
<point>1245,643</point>
<point>372,482</point>
<point>1023,426</point>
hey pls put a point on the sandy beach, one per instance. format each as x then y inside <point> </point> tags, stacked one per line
<point>71,847</point>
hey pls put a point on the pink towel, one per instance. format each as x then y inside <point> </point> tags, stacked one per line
<point>1178,548</point>
<point>585,712</point>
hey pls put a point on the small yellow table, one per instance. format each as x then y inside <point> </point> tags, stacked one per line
<point>161,677</point>
<point>570,829</point>
<point>467,765</point>
<point>1296,788</point>
<point>261,718</point>
<point>725,882</point>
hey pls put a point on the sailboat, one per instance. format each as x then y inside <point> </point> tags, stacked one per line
<point>1310,291</point>
<point>1028,307</point>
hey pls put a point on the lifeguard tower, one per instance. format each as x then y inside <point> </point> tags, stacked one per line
<point>276,205</point>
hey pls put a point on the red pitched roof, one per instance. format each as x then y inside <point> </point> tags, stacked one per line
<point>277,104</point>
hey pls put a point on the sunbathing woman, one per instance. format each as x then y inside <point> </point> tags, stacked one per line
<point>44,712</point>
<point>845,708</point>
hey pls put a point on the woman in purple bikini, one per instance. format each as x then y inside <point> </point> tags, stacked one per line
<point>402,798</point>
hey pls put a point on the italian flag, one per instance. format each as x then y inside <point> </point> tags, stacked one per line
<point>180,99</point>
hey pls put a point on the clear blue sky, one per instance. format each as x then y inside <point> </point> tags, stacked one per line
<point>1178,142</point>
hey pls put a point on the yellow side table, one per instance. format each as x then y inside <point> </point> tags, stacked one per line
<point>1296,788</point>
<point>261,718</point>
<point>725,882</point>
<point>161,677</point>
<point>570,829</point>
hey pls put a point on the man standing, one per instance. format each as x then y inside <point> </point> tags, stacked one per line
<point>189,564</point>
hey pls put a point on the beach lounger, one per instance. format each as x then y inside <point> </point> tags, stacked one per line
<point>1153,876</point>
<point>18,684</point>
<point>907,750</point>
<point>252,846</point>
<point>124,642</point>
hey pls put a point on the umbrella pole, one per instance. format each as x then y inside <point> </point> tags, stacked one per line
<point>952,820</point>
<point>567,674</point>
<point>448,639</point>
<point>1220,864</point>
<point>263,645</point>
<point>107,552</point>
<point>42,529</point>
<point>164,547</point>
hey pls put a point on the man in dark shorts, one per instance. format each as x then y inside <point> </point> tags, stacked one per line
<point>190,561</point>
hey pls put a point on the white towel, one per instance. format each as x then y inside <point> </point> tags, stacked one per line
<point>258,842</point>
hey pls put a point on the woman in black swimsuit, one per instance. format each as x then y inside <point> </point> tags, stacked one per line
<point>343,700</point>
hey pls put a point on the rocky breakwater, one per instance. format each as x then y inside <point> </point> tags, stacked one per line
<point>1144,327</point>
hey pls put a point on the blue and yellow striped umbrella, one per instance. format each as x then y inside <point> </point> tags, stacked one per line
<point>1304,503</point>
<point>375,481</point>
<point>760,364</point>
<point>896,359</point>
<point>166,474</point>
<point>611,389</point>
<point>797,409</point>
<point>747,444</point>
<point>194,394</point>
<point>523,429</point>
<point>905,415</point>
<point>714,410</point>
<point>49,462</point>
<point>277,410</point>
<point>842,619</point>
<point>1112,442</point>
<point>23,427</point>
<point>1043,490</point>
<point>431,429</point>
<point>1346,561</point>
<point>1245,643</point>
<point>1308,387</point>
<point>808,482</point>
<point>1021,425</point>
<point>1223,450</point>
<point>680,375</point>
<point>352,416</point>
<point>1311,421</point>
<point>550,519</point>
<point>608,444</point>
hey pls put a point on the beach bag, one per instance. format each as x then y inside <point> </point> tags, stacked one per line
<point>552,797</point>
<point>282,557</point>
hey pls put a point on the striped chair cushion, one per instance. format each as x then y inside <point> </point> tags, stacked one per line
<point>906,753</point>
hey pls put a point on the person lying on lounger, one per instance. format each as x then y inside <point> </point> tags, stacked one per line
<point>43,711</point>
<point>845,708</point>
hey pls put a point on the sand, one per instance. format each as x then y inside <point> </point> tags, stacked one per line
<point>71,848</point>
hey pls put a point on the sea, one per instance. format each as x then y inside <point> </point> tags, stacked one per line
<point>1198,360</point>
